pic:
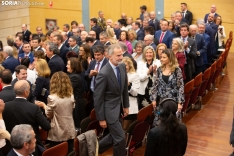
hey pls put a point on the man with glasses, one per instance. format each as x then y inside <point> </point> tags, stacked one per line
<point>149,41</point>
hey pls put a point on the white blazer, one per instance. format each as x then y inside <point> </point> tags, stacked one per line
<point>135,80</point>
<point>142,72</point>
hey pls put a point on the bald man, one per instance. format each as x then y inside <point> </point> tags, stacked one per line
<point>212,11</point>
<point>124,16</point>
<point>26,32</point>
<point>155,21</point>
<point>201,49</point>
<point>20,111</point>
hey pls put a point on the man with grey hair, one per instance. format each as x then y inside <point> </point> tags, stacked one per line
<point>20,111</point>
<point>109,22</point>
<point>10,62</point>
<point>55,63</point>
<point>81,27</point>
<point>111,100</point>
<point>83,36</point>
<point>23,140</point>
<point>149,41</point>
<point>65,39</point>
<point>201,49</point>
<point>124,49</point>
<point>104,38</point>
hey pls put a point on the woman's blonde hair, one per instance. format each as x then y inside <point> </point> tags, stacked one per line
<point>60,85</point>
<point>111,35</point>
<point>144,51</point>
<point>130,64</point>
<point>173,63</point>
<point>131,31</point>
<point>43,69</point>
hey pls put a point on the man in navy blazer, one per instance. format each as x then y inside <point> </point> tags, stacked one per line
<point>201,49</point>
<point>93,69</point>
<point>63,50</point>
<point>164,35</point>
<point>155,21</point>
<point>27,53</point>
<point>201,31</point>
<point>140,34</point>
<point>149,41</point>
<point>210,22</point>
<point>95,27</point>
<point>55,63</point>
<point>212,11</point>
<point>19,44</point>
<point>26,33</point>
<point>66,28</point>
<point>10,62</point>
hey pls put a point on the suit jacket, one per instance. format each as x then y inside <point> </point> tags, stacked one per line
<point>192,54</point>
<point>75,49</point>
<point>97,42</point>
<point>41,82</point>
<point>108,95</point>
<point>97,29</point>
<point>56,64</point>
<point>107,43</point>
<point>206,16</point>
<point>63,52</point>
<point>140,35</point>
<point>26,35</point>
<point>20,49</point>
<point>126,54</point>
<point>211,47</point>
<point>40,35</point>
<point>31,97</point>
<point>31,56</point>
<point>92,67</point>
<point>201,48</point>
<point>167,39</point>
<point>207,44</point>
<point>117,33</point>
<point>153,45</point>
<point>66,43</point>
<point>156,23</point>
<point>62,122</point>
<point>214,27</point>
<point>10,63</point>
<point>12,153</point>
<point>7,94</point>
<point>69,34</point>
<point>20,111</point>
<point>189,17</point>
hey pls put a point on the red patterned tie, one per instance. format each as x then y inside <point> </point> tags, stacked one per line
<point>161,37</point>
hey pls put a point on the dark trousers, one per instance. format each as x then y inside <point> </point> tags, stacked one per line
<point>198,70</point>
<point>115,138</point>
<point>188,73</point>
<point>70,144</point>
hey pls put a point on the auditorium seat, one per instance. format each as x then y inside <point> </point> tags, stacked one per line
<point>188,88</point>
<point>212,72</point>
<point>58,150</point>
<point>217,72</point>
<point>202,90</point>
<point>194,95</point>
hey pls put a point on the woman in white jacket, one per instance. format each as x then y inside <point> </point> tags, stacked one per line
<point>145,69</point>
<point>133,87</point>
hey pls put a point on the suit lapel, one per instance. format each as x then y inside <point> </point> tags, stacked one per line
<point>113,77</point>
<point>122,73</point>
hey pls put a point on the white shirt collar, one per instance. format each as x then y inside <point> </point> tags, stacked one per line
<point>17,97</point>
<point>137,30</point>
<point>60,46</point>
<point>52,57</point>
<point>6,86</point>
<point>16,151</point>
<point>37,48</point>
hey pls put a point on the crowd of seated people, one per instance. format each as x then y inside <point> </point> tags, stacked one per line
<point>57,71</point>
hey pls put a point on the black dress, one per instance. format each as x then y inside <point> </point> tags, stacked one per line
<point>41,82</point>
<point>79,111</point>
<point>144,100</point>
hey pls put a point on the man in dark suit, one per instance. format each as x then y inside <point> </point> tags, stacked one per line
<point>27,53</point>
<point>210,22</point>
<point>10,62</point>
<point>126,54</point>
<point>55,63</point>
<point>104,38</point>
<point>95,27</point>
<point>140,34</point>
<point>143,9</point>
<point>201,49</point>
<point>212,11</point>
<point>66,28</point>
<point>76,33</point>
<point>7,93</point>
<point>19,44</point>
<point>19,140</point>
<point>149,41</point>
<point>155,21</point>
<point>111,100</point>
<point>65,39</point>
<point>63,50</point>
<point>117,29</point>
<point>94,36</point>
<point>73,44</point>
<point>95,66</point>
<point>164,35</point>
<point>21,74</point>
<point>36,43</point>
<point>26,33</point>
<point>201,30</point>
<point>20,111</point>
<point>190,52</point>
<point>39,32</point>
<point>188,15</point>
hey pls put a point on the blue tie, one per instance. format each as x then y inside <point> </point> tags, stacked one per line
<point>118,76</point>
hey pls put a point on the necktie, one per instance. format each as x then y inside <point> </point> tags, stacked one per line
<point>161,37</point>
<point>183,13</point>
<point>193,37</point>
<point>25,56</point>
<point>118,76</point>
<point>97,68</point>
<point>184,40</point>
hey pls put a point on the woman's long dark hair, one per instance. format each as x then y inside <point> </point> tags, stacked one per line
<point>170,145</point>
